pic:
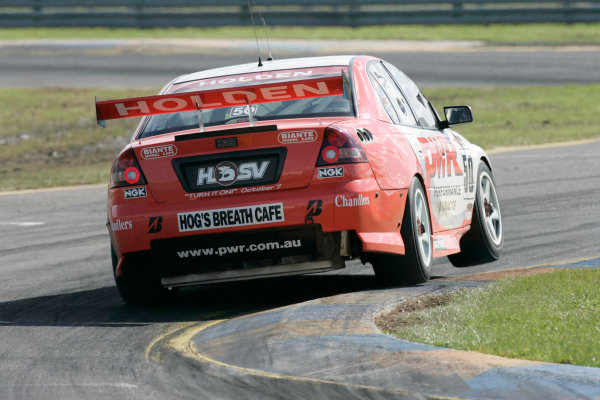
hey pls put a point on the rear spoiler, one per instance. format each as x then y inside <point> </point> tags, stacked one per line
<point>224,97</point>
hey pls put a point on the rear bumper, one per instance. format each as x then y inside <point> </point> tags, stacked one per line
<point>334,206</point>
<point>254,273</point>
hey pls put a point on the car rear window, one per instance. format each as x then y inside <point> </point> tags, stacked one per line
<point>301,108</point>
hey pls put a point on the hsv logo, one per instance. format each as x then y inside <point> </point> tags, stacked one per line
<point>134,193</point>
<point>297,137</point>
<point>440,157</point>
<point>333,172</point>
<point>226,173</point>
<point>167,150</point>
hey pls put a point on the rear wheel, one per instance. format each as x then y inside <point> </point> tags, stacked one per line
<point>415,265</point>
<point>484,241</point>
<point>139,284</point>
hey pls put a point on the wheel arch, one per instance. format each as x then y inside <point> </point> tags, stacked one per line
<point>487,161</point>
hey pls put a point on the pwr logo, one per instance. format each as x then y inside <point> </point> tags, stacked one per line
<point>134,193</point>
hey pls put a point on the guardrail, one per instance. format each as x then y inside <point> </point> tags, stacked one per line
<point>182,13</point>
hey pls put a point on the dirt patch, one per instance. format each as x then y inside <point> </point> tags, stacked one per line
<point>402,316</point>
<point>497,275</point>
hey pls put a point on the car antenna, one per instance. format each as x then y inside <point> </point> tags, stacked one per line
<point>269,57</point>
<point>260,64</point>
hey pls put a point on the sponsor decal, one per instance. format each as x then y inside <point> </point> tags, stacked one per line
<point>155,224</point>
<point>354,201</point>
<point>440,157</point>
<point>240,248</point>
<point>305,136</point>
<point>227,173</point>
<point>447,191</point>
<point>119,225</point>
<point>446,205</point>
<point>228,192</point>
<point>242,111</point>
<point>439,244</point>
<point>217,98</point>
<point>167,150</point>
<point>313,209</point>
<point>134,193</point>
<point>230,217</point>
<point>332,172</point>
<point>254,78</point>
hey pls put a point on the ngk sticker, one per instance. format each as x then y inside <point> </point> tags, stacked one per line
<point>305,136</point>
<point>167,150</point>
<point>333,172</point>
<point>134,193</point>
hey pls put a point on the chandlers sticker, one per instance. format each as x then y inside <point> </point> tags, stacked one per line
<point>119,225</point>
<point>167,150</point>
<point>229,217</point>
<point>306,136</point>
<point>351,201</point>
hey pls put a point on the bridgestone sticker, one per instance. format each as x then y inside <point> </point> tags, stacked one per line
<point>229,217</point>
<point>297,137</point>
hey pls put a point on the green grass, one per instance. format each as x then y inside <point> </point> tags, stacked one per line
<point>521,116</point>
<point>553,317</point>
<point>48,137</point>
<point>496,33</point>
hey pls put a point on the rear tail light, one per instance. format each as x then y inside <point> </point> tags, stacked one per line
<point>126,170</point>
<point>340,147</point>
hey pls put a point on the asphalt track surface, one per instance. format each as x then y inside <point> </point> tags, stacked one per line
<point>65,334</point>
<point>151,64</point>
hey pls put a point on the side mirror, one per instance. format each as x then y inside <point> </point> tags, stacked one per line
<point>458,115</point>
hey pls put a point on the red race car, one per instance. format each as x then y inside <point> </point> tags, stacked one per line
<point>293,167</point>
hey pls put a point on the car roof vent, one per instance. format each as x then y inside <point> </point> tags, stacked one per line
<point>364,135</point>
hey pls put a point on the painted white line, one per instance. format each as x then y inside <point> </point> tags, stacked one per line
<point>25,224</point>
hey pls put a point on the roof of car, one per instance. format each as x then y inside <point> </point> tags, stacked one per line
<point>273,65</point>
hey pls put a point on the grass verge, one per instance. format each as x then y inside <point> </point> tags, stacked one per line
<point>48,137</point>
<point>547,33</point>
<point>552,317</point>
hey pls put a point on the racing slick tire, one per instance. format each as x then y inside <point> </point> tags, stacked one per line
<point>484,241</point>
<point>415,266</point>
<point>139,284</point>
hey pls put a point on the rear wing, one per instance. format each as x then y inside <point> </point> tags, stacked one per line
<point>224,97</point>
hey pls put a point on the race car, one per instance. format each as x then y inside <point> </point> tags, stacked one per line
<point>291,167</point>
